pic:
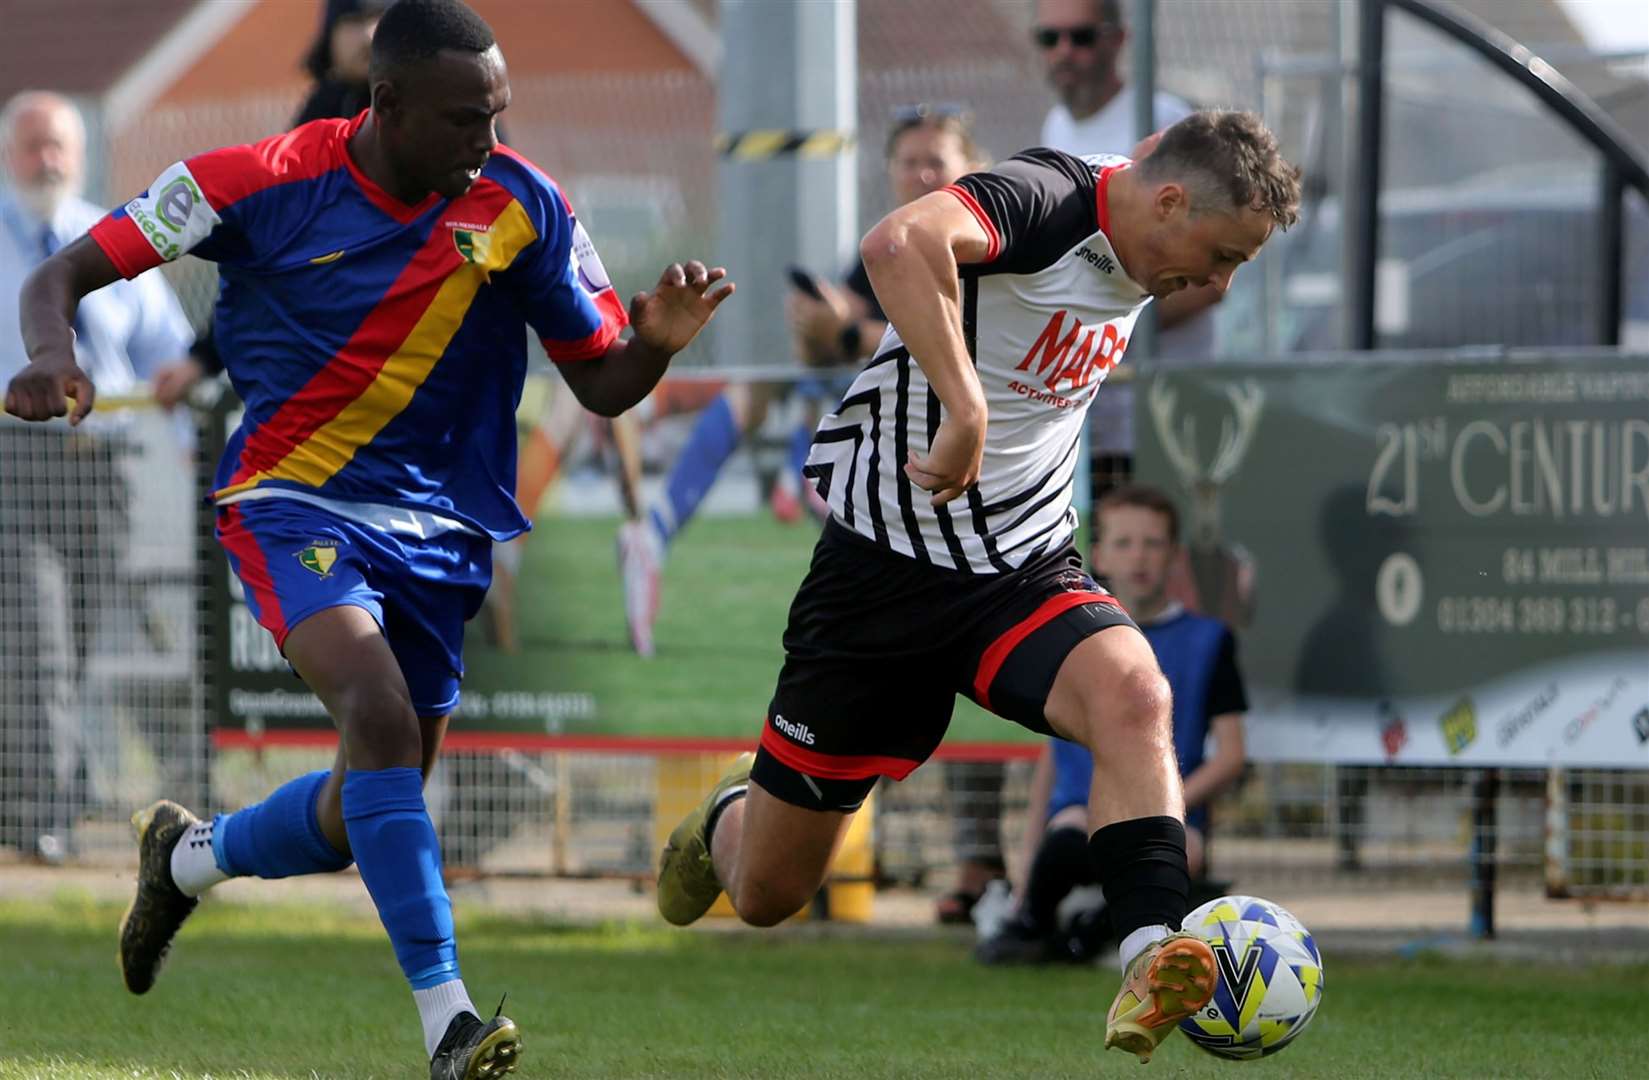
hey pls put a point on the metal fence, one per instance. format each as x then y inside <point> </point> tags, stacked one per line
<point>104,706</point>
<point>103,699</point>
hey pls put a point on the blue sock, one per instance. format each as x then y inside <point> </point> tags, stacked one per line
<point>279,837</point>
<point>801,441</point>
<point>712,442</point>
<point>400,861</point>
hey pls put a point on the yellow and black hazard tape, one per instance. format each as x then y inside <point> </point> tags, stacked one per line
<point>767,143</point>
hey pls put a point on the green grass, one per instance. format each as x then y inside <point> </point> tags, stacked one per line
<point>288,992</point>
<point>727,591</point>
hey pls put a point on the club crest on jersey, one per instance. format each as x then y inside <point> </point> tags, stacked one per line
<point>318,557</point>
<point>472,244</point>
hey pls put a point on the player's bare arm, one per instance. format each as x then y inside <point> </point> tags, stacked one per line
<point>1187,303</point>
<point>51,295</point>
<point>1221,770</point>
<point>912,257</point>
<point>665,321</point>
<point>1036,819</point>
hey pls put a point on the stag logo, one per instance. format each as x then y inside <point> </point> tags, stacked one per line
<point>1213,576</point>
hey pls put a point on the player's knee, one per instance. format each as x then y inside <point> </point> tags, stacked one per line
<point>765,904</point>
<point>379,727</point>
<point>1139,708</point>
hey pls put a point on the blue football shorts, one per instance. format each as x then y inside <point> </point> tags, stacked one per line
<point>295,559</point>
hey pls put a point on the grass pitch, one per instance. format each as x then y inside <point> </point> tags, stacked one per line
<point>265,992</point>
<point>726,595</point>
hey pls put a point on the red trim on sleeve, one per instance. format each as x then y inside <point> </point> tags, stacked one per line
<point>995,656</point>
<point>1103,211</point>
<point>613,320</point>
<point>979,213</point>
<point>834,766</point>
<point>125,245</point>
<point>233,173</point>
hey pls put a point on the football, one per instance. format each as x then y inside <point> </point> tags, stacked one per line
<point>1270,978</point>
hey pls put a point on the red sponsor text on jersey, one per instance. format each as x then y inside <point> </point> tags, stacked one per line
<point>1066,359</point>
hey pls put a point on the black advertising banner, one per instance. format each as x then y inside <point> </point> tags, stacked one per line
<point>1439,563</point>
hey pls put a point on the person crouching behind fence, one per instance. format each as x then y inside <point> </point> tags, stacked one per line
<point>1137,530</point>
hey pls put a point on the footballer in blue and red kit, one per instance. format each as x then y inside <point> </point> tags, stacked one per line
<point>379,349</point>
<point>379,279</point>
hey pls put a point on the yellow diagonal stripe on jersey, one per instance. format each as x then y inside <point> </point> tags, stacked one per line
<point>334,444</point>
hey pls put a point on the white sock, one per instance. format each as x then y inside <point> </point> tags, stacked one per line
<point>194,865</point>
<point>1136,943</point>
<point>436,1008</point>
<point>655,518</point>
<point>507,556</point>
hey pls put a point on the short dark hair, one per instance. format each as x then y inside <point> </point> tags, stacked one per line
<point>956,119</point>
<point>413,30</point>
<point>1228,157</point>
<point>1142,496</point>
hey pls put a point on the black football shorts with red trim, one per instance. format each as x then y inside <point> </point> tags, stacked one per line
<point>879,645</point>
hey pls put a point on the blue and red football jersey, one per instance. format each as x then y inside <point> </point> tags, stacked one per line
<point>379,348</point>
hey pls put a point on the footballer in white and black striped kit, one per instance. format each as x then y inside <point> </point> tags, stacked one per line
<point>947,566</point>
<point>1046,316</point>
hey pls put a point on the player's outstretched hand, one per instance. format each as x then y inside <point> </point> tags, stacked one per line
<point>43,389</point>
<point>673,313</point>
<point>951,466</point>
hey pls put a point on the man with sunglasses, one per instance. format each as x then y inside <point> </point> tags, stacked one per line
<point>1081,44</point>
<point>947,565</point>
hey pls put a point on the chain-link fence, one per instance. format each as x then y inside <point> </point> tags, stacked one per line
<point>103,702</point>
<point>103,707</point>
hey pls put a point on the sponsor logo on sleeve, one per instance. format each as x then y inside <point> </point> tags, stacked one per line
<point>586,263</point>
<point>173,215</point>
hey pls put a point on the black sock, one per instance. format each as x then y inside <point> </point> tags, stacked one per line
<point>1141,865</point>
<point>1061,864</point>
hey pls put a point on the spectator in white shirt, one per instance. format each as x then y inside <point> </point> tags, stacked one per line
<point>1081,42</point>
<point>61,538</point>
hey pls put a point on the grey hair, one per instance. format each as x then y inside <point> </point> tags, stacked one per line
<point>24,100</point>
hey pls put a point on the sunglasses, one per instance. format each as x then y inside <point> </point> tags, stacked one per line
<point>1083,37</point>
<point>924,111</point>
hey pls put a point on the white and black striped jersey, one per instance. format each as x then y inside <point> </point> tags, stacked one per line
<point>1046,316</point>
